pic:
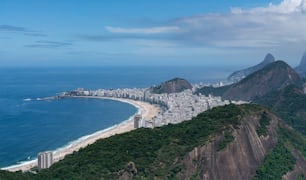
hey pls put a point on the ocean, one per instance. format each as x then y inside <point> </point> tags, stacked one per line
<point>29,125</point>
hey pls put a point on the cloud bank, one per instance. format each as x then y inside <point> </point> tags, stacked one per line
<point>273,26</point>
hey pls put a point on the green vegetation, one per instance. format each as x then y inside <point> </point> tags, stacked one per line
<point>277,163</point>
<point>172,86</point>
<point>301,177</point>
<point>280,160</point>
<point>295,139</point>
<point>158,153</point>
<point>5,175</point>
<point>289,104</point>
<point>228,137</point>
<point>154,153</point>
<point>275,66</point>
<point>264,123</point>
<point>219,91</point>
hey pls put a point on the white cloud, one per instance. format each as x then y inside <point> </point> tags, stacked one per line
<point>262,27</point>
<point>151,30</point>
<point>275,26</point>
<point>285,7</point>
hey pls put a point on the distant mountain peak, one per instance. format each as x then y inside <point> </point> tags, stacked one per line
<point>301,68</point>
<point>269,58</point>
<point>238,75</point>
<point>303,60</point>
<point>275,76</point>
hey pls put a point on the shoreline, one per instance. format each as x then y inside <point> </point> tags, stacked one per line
<point>146,110</point>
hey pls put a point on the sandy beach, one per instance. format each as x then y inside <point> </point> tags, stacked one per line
<point>146,110</point>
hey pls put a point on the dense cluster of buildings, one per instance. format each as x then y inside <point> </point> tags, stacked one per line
<point>175,107</point>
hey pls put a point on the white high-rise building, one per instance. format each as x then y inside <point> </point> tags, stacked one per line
<point>137,121</point>
<point>44,159</point>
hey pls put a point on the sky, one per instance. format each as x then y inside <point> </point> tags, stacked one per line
<point>159,32</point>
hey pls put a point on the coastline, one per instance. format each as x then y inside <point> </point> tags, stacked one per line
<point>146,110</point>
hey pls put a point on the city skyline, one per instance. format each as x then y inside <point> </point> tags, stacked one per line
<point>99,33</point>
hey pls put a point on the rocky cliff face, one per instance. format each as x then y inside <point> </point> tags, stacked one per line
<point>301,69</point>
<point>172,86</point>
<point>273,77</point>
<point>238,160</point>
<point>238,75</point>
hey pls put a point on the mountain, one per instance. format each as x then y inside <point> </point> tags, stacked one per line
<point>172,86</point>
<point>272,77</point>
<point>230,142</point>
<point>301,69</point>
<point>238,75</point>
<point>275,76</point>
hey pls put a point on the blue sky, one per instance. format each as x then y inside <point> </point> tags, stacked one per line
<point>138,32</point>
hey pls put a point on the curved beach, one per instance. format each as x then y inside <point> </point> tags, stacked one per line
<point>146,110</point>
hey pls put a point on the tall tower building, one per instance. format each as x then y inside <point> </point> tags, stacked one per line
<point>137,121</point>
<point>45,159</point>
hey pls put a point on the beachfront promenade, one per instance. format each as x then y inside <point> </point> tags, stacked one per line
<point>173,108</point>
<point>155,110</point>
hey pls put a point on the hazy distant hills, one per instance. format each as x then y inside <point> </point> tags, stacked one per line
<point>301,68</point>
<point>275,76</point>
<point>276,86</point>
<point>272,77</point>
<point>238,75</point>
<point>175,85</point>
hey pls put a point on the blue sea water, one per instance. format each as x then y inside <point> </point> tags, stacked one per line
<point>28,127</point>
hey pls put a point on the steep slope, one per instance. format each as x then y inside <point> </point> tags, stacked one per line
<point>228,142</point>
<point>240,158</point>
<point>290,104</point>
<point>301,68</point>
<point>273,77</point>
<point>172,86</point>
<point>238,75</point>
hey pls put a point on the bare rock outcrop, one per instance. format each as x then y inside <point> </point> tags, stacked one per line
<point>238,160</point>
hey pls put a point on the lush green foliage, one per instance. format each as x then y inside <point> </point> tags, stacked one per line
<point>280,160</point>
<point>277,163</point>
<point>155,152</point>
<point>228,137</point>
<point>295,139</point>
<point>5,175</point>
<point>289,104</point>
<point>219,91</point>
<point>158,153</point>
<point>301,177</point>
<point>264,123</point>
